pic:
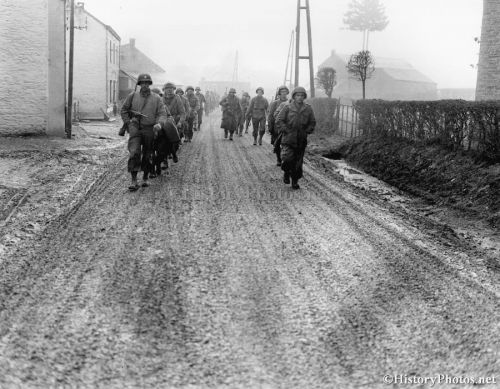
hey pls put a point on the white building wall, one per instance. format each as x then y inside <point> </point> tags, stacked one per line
<point>113,68</point>
<point>89,68</point>
<point>24,62</point>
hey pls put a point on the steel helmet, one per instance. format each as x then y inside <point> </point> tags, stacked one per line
<point>169,85</point>
<point>232,90</point>
<point>283,87</point>
<point>156,90</point>
<point>198,88</point>
<point>299,89</point>
<point>258,89</point>
<point>144,78</point>
<point>245,94</point>
<point>179,91</point>
<point>189,88</point>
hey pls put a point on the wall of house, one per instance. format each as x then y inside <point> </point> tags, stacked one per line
<point>112,68</point>
<point>488,76</point>
<point>24,60</point>
<point>89,69</point>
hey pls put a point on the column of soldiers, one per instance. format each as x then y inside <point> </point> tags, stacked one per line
<point>157,123</point>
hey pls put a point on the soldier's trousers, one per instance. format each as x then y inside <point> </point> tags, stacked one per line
<point>277,147</point>
<point>191,122</point>
<point>200,117</point>
<point>163,148</point>
<point>140,148</point>
<point>259,126</point>
<point>292,160</point>
<point>243,122</point>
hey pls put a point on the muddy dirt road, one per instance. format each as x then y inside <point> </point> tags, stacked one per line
<point>219,275</point>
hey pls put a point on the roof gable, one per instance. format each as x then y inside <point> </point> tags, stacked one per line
<point>135,61</point>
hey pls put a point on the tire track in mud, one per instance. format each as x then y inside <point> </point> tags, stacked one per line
<point>218,275</point>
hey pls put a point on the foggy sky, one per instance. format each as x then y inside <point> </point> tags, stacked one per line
<point>191,39</point>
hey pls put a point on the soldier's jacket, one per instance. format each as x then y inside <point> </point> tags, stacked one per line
<point>150,105</point>
<point>175,107</point>
<point>245,102</point>
<point>271,117</point>
<point>231,106</point>
<point>278,127</point>
<point>296,122</point>
<point>194,105</point>
<point>187,107</point>
<point>201,99</point>
<point>258,107</point>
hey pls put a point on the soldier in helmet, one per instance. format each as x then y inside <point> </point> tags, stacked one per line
<point>231,113</point>
<point>296,121</point>
<point>245,102</point>
<point>179,92</point>
<point>192,114</point>
<point>203,101</point>
<point>282,97</point>
<point>257,113</point>
<point>143,113</point>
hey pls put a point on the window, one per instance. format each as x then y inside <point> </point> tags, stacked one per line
<point>110,91</point>
<point>110,52</point>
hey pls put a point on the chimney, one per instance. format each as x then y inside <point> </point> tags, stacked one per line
<point>132,43</point>
<point>80,4</point>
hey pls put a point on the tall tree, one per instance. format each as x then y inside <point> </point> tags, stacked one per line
<point>326,78</point>
<point>366,16</point>
<point>361,67</point>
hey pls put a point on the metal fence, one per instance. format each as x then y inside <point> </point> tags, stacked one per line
<point>347,121</point>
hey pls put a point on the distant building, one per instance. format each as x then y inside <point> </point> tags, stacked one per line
<point>96,65</point>
<point>488,75</point>
<point>127,84</point>
<point>222,87</point>
<point>134,62</point>
<point>456,94</point>
<point>32,99</point>
<point>393,79</point>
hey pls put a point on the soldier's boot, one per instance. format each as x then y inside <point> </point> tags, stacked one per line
<point>254,140</point>
<point>175,158</point>
<point>260,139</point>
<point>133,183</point>
<point>145,182</point>
<point>286,177</point>
<point>295,183</point>
<point>231,136</point>
<point>225,133</point>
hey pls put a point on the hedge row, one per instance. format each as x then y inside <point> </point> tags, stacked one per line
<point>456,124</point>
<point>324,112</point>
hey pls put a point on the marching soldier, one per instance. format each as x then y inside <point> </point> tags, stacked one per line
<point>203,101</point>
<point>283,92</point>
<point>231,113</point>
<point>192,114</point>
<point>296,120</point>
<point>177,114</point>
<point>245,102</point>
<point>144,114</point>
<point>187,107</point>
<point>257,112</point>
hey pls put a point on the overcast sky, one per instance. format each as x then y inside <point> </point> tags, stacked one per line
<point>199,38</point>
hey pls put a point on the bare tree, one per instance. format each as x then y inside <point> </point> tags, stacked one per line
<point>326,78</point>
<point>361,67</point>
<point>366,16</point>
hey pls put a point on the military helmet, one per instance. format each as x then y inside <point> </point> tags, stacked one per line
<point>245,94</point>
<point>169,85</point>
<point>198,89</point>
<point>179,91</point>
<point>190,88</point>
<point>258,89</point>
<point>299,89</point>
<point>283,87</point>
<point>144,78</point>
<point>232,90</point>
<point>156,90</point>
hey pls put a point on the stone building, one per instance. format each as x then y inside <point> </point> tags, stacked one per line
<point>32,58</point>
<point>393,79</point>
<point>96,65</point>
<point>488,76</point>
<point>134,62</point>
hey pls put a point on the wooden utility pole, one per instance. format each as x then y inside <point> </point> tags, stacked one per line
<point>69,110</point>
<point>309,57</point>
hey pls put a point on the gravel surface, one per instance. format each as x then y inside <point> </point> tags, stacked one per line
<point>218,275</point>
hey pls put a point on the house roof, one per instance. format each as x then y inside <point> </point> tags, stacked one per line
<point>395,68</point>
<point>135,61</point>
